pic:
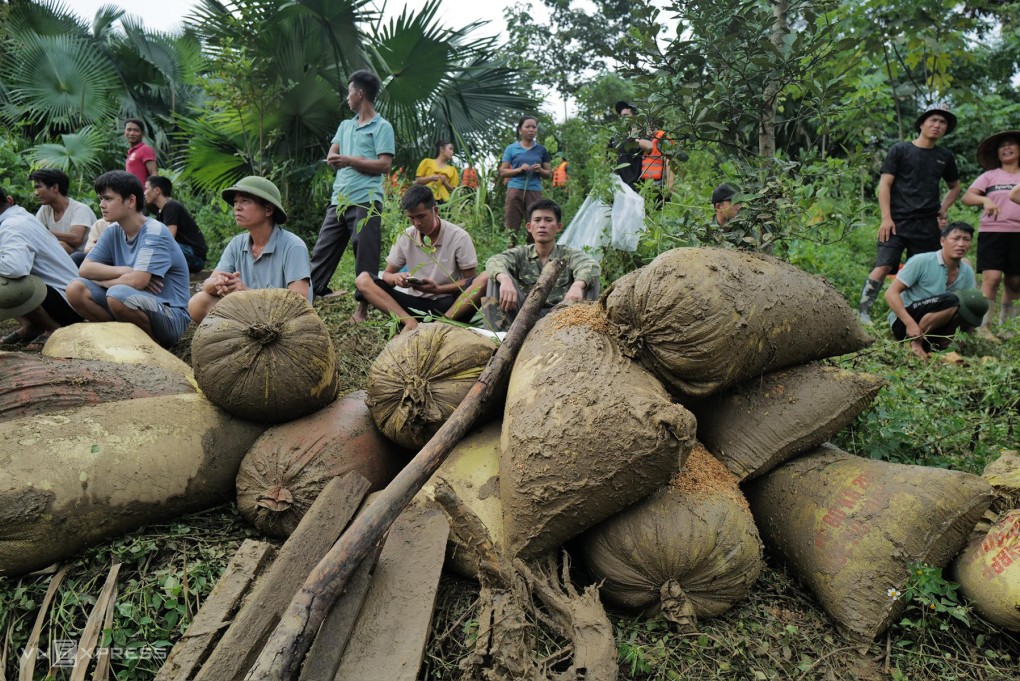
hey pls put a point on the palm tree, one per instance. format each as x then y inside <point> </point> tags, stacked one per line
<point>282,68</point>
<point>63,73</point>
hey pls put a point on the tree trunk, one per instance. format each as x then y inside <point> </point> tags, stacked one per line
<point>770,99</point>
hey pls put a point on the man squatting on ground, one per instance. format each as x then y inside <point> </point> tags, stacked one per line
<point>264,256</point>
<point>67,219</point>
<point>32,260</point>
<point>517,269</point>
<point>136,273</point>
<point>362,153</point>
<point>934,294</point>
<point>908,196</point>
<point>440,261</point>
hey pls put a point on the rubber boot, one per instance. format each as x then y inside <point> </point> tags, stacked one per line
<point>868,296</point>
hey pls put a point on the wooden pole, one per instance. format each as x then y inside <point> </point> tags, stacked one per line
<point>285,650</point>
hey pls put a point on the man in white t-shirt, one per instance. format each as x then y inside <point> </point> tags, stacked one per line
<point>67,219</point>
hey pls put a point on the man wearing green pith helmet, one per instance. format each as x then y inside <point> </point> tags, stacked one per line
<point>265,256</point>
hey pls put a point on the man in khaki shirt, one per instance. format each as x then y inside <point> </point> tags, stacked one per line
<point>438,261</point>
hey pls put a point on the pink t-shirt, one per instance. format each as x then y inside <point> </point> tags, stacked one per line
<point>996,185</point>
<point>136,158</point>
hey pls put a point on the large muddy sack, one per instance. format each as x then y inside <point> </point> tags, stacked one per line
<point>420,377</point>
<point>265,355</point>
<point>850,527</point>
<point>73,478</point>
<point>586,432</point>
<point>36,384</point>
<point>690,551</point>
<point>763,422</point>
<point>988,570</point>
<point>703,319</point>
<point>472,472</point>
<point>1003,475</point>
<point>286,468</point>
<point>118,342</point>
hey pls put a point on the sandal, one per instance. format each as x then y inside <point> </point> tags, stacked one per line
<point>38,342</point>
<point>15,338</point>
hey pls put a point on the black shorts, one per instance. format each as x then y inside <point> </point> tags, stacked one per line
<point>58,309</point>
<point>913,236</point>
<point>917,310</point>
<point>999,251</point>
<point>418,306</point>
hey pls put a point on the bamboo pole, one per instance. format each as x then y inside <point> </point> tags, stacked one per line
<point>285,650</point>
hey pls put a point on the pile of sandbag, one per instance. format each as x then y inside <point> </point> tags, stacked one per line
<point>108,439</point>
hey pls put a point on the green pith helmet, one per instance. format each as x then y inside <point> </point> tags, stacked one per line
<point>18,297</point>
<point>260,187</point>
<point>973,305</point>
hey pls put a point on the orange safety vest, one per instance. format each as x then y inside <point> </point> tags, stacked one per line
<point>653,163</point>
<point>559,178</point>
<point>469,178</point>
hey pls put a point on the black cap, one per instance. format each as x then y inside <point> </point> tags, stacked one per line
<point>621,105</point>
<point>723,192</point>
<point>941,109</point>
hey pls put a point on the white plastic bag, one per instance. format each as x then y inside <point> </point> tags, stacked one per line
<point>595,221</point>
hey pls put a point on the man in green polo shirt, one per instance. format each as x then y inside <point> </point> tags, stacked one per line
<point>264,256</point>
<point>516,271</point>
<point>362,153</point>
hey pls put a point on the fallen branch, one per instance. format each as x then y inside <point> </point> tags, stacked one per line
<point>285,650</point>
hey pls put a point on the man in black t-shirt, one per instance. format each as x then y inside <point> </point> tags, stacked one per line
<point>630,151</point>
<point>178,220</point>
<point>908,195</point>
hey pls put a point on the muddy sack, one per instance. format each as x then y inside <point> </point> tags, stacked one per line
<point>586,432</point>
<point>690,551</point>
<point>287,468</point>
<point>117,342</point>
<point>264,355</point>
<point>36,384</point>
<point>1003,475</point>
<point>850,527</point>
<point>420,377</point>
<point>472,472</point>
<point>765,421</point>
<point>703,319</point>
<point>74,478</point>
<point>988,570</point>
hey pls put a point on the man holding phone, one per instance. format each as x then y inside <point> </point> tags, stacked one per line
<point>440,262</point>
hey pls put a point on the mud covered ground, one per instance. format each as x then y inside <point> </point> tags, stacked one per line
<point>778,633</point>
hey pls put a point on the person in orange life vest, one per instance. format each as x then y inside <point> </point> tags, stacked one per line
<point>561,174</point>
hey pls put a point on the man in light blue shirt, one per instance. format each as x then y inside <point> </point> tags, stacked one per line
<point>362,153</point>
<point>264,256</point>
<point>934,294</point>
<point>28,248</point>
<point>136,272</point>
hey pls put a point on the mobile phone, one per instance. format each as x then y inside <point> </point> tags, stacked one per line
<point>415,281</point>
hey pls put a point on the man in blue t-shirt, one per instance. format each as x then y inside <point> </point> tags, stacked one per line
<point>934,294</point>
<point>362,153</point>
<point>136,272</point>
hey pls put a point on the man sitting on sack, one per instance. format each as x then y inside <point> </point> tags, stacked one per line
<point>934,294</point>
<point>34,273</point>
<point>516,271</point>
<point>264,256</point>
<point>430,270</point>
<point>136,272</point>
